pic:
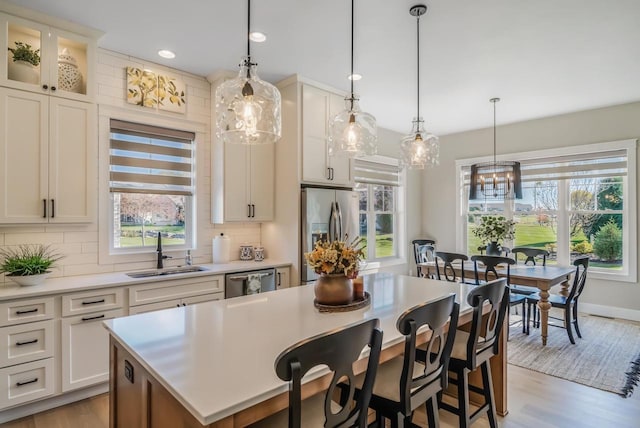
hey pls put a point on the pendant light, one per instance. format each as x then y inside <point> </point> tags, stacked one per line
<point>248,108</point>
<point>495,180</point>
<point>419,148</point>
<point>352,132</point>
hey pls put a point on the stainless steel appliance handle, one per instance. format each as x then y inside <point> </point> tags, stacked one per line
<point>340,235</point>
<point>245,277</point>
<point>332,223</point>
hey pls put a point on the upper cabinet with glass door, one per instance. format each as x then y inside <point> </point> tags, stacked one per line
<point>45,59</point>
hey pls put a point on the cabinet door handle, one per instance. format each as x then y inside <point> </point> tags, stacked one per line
<point>253,210</point>
<point>328,173</point>
<point>27,382</point>
<point>249,210</point>
<point>53,208</point>
<point>45,87</point>
<point>53,88</point>
<point>44,208</point>
<point>26,311</point>
<point>93,302</point>
<point>97,317</point>
<point>27,342</point>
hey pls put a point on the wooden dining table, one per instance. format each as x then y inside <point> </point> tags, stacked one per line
<point>542,277</point>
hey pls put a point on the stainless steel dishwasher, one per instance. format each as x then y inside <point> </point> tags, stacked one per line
<point>249,282</point>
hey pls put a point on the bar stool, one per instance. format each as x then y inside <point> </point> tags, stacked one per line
<point>472,350</point>
<point>338,349</point>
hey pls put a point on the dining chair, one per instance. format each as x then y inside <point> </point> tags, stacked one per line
<point>531,254</point>
<point>490,263</point>
<point>338,350</point>
<point>503,250</point>
<point>448,269</point>
<point>569,303</point>
<point>409,381</point>
<point>423,251</point>
<point>474,349</point>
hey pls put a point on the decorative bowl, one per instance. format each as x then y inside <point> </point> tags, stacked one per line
<point>26,280</point>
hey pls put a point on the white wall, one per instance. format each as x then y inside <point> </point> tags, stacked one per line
<point>79,243</point>
<point>592,126</point>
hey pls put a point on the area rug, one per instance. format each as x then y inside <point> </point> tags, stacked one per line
<point>607,357</point>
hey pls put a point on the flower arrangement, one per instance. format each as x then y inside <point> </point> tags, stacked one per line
<point>336,257</point>
<point>494,229</point>
<point>27,260</point>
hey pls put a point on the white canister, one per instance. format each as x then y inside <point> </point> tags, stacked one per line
<point>258,254</point>
<point>221,249</point>
<point>246,252</point>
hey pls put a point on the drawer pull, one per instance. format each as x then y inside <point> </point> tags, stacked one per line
<point>28,342</point>
<point>97,317</point>
<point>27,311</point>
<point>93,302</point>
<point>27,382</point>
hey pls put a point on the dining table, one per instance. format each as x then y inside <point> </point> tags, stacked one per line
<point>542,277</point>
<point>212,364</point>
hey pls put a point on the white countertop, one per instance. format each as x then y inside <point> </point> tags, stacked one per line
<point>216,358</point>
<point>11,290</point>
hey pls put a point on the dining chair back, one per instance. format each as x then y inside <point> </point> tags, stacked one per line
<point>416,378</point>
<point>474,349</point>
<point>337,349</point>
<point>423,251</point>
<point>447,270</point>
<point>490,263</point>
<point>531,254</point>
<point>503,250</point>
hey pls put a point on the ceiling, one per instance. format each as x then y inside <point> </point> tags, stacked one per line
<point>542,58</point>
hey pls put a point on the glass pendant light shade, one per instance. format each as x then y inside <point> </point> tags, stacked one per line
<point>352,132</point>
<point>248,109</point>
<point>419,148</point>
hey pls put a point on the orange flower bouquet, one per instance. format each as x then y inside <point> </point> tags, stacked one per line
<point>336,257</point>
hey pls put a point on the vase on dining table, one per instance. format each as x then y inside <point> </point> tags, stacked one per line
<point>333,289</point>
<point>493,249</point>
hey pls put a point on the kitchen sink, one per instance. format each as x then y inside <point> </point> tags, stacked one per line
<point>167,271</point>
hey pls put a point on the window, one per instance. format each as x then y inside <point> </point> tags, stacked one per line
<point>381,200</point>
<point>574,204</point>
<point>151,186</point>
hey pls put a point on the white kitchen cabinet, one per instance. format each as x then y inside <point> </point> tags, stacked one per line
<point>150,307</point>
<point>26,382</point>
<point>85,349</point>
<point>47,159</point>
<point>282,277</point>
<point>174,290</point>
<point>318,106</point>
<point>248,182</point>
<point>67,60</point>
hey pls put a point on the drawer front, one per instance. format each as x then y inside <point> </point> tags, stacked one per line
<point>203,298</point>
<point>26,342</point>
<point>29,310</point>
<point>26,382</point>
<point>150,307</point>
<point>177,289</point>
<point>92,301</point>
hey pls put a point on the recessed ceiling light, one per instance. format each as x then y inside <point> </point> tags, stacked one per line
<point>257,36</point>
<point>354,76</point>
<point>166,54</point>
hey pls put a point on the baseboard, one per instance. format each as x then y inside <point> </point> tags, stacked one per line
<point>50,403</point>
<point>610,311</point>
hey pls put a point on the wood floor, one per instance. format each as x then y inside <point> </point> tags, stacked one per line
<point>535,400</point>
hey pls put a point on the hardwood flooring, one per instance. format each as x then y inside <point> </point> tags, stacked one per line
<point>535,400</point>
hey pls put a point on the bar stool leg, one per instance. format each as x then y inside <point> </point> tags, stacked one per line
<point>488,394</point>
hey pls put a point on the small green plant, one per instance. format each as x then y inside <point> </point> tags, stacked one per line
<point>608,242</point>
<point>23,52</point>
<point>583,247</point>
<point>27,259</point>
<point>494,229</point>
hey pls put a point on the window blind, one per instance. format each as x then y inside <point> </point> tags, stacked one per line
<point>150,159</point>
<point>376,173</point>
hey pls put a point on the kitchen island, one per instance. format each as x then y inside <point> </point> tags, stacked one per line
<point>211,364</point>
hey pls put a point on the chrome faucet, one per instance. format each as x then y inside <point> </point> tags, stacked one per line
<point>159,264</point>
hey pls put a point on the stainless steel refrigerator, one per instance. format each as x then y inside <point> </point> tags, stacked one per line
<point>326,214</point>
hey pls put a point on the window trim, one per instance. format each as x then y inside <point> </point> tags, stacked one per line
<point>105,209</point>
<point>400,221</point>
<point>629,190</point>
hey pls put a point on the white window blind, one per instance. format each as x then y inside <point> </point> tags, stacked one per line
<point>150,159</point>
<point>376,173</point>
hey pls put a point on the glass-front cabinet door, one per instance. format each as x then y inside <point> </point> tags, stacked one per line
<point>46,60</point>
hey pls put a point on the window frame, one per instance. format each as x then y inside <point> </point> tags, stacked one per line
<point>399,223</point>
<point>629,211</point>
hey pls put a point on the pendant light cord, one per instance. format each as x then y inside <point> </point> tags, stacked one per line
<point>418,65</point>
<point>494,132</point>
<point>249,30</point>
<point>352,21</point>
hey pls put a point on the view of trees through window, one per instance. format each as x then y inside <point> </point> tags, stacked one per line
<point>142,216</point>
<point>377,218</point>
<point>589,209</point>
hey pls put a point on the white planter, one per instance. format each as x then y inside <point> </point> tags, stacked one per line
<point>23,71</point>
<point>30,279</point>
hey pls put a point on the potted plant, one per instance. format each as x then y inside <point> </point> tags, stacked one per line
<point>28,264</point>
<point>492,230</point>
<point>337,263</point>
<point>25,61</point>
